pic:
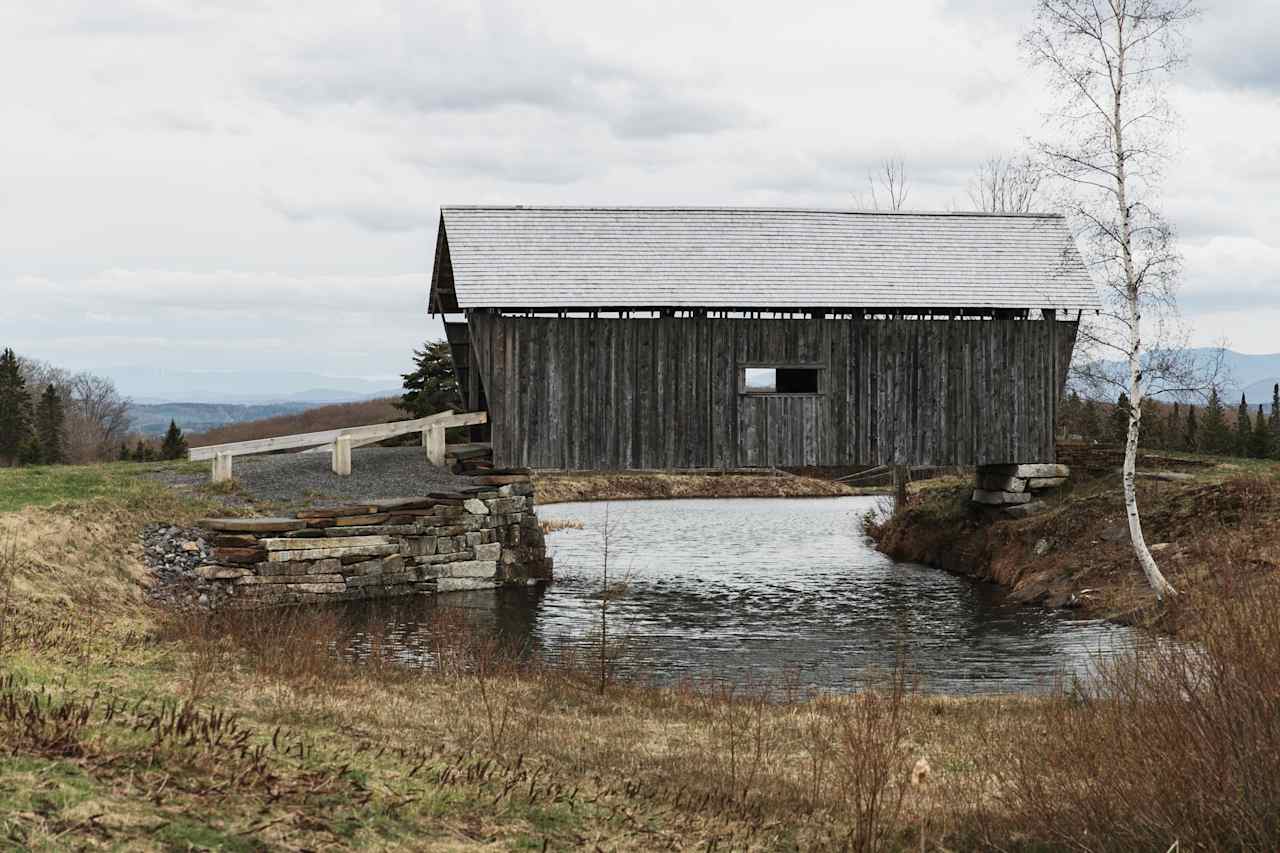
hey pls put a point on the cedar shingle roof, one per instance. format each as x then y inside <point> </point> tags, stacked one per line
<point>561,258</point>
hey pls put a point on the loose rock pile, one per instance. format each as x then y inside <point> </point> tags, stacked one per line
<point>474,538</point>
<point>1013,489</point>
<point>173,555</point>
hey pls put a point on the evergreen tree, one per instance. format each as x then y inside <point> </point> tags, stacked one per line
<point>1152,435</point>
<point>15,411</point>
<point>124,452</point>
<point>1120,419</point>
<point>1090,427</point>
<point>432,386</point>
<point>1274,424</point>
<point>1173,429</point>
<point>1260,441</point>
<point>1215,436</point>
<point>1191,438</point>
<point>174,445</point>
<point>49,426</point>
<point>140,452</point>
<point>1244,428</point>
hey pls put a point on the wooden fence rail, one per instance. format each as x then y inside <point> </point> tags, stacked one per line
<point>340,442</point>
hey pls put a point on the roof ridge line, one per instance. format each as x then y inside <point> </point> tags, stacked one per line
<point>722,209</point>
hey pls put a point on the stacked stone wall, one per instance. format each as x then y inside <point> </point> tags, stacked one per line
<point>475,538</point>
<point>1014,490</point>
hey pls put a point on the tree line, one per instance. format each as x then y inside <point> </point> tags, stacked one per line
<point>1210,428</point>
<point>51,416</point>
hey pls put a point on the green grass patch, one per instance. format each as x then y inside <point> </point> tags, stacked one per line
<point>44,485</point>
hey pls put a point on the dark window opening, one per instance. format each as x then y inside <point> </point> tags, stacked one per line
<point>797,380</point>
<point>779,380</point>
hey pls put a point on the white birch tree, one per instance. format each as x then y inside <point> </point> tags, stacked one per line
<point>1110,62</point>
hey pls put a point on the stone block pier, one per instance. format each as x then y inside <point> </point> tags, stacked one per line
<point>1014,490</point>
<point>475,538</point>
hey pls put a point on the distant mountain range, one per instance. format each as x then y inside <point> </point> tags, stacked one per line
<point>151,385</point>
<point>1254,376</point>
<point>153,418</point>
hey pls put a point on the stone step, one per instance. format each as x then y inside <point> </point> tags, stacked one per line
<point>251,525</point>
<point>1039,469</point>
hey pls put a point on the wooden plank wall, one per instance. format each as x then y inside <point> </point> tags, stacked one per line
<point>580,393</point>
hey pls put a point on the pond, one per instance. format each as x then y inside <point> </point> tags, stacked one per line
<point>763,591</point>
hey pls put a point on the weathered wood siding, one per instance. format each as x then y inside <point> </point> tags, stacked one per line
<point>663,393</point>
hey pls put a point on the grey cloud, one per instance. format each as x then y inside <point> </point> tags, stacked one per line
<point>385,216</point>
<point>1234,46</point>
<point>499,64</point>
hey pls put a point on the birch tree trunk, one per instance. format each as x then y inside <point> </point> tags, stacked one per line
<point>1155,577</point>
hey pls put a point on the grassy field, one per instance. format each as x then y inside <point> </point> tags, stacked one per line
<point>124,727</point>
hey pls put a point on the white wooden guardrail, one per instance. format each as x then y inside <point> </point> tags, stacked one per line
<point>340,442</point>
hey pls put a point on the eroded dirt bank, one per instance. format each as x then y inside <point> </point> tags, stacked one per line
<point>1216,536</point>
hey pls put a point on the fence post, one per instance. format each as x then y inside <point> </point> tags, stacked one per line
<point>222,468</point>
<point>433,442</point>
<point>342,456</point>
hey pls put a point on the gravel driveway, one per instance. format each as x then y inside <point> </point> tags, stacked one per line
<point>376,472</point>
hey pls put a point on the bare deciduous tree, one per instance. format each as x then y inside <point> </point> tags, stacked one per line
<point>887,187</point>
<point>1006,185</point>
<point>1109,61</point>
<point>97,419</point>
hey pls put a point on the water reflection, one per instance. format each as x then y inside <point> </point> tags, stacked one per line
<point>761,590</point>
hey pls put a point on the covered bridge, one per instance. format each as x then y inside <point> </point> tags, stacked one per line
<point>613,338</point>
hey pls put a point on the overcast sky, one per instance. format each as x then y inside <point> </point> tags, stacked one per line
<point>235,184</point>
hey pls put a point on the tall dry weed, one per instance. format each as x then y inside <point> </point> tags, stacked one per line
<point>1170,743</point>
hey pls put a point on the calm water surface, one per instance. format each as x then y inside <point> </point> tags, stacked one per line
<point>759,591</point>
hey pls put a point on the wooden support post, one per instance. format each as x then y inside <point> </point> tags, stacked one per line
<point>342,456</point>
<point>433,442</point>
<point>900,475</point>
<point>222,468</point>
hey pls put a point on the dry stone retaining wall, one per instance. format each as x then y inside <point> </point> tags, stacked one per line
<point>475,538</point>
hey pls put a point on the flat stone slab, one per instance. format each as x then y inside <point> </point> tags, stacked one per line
<point>338,511</point>
<point>472,569</point>
<point>1036,484</point>
<point>475,507</point>
<point>320,544</point>
<point>463,585</point>
<point>251,525</point>
<point>1038,469</point>
<point>1000,498</point>
<point>325,553</point>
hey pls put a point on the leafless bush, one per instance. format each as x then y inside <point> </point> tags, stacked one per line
<point>1172,742</point>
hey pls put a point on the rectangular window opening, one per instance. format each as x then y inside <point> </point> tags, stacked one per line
<point>779,380</point>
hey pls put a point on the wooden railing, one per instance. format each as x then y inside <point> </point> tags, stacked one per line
<point>340,442</point>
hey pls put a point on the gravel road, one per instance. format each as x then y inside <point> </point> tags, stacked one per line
<point>376,472</point>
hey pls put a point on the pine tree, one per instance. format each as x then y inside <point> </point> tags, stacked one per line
<point>1274,423</point>
<point>1260,441</point>
<point>15,411</point>
<point>1215,436</point>
<point>1191,438</point>
<point>140,452</point>
<point>1244,428</point>
<point>49,426</point>
<point>1152,435</point>
<point>1173,429</point>
<point>174,445</point>
<point>1120,419</point>
<point>124,452</point>
<point>432,386</point>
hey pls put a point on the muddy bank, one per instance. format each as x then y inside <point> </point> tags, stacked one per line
<point>1214,537</point>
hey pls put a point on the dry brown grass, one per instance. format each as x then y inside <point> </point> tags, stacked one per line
<point>336,416</point>
<point>643,485</point>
